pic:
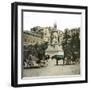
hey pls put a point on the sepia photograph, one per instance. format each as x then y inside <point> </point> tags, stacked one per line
<point>49,44</point>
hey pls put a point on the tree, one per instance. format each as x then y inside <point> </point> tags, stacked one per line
<point>40,49</point>
<point>75,44</point>
<point>65,41</point>
<point>37,50</point>
<point>71,44</point>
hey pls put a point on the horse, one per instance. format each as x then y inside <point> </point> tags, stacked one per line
<point>57,58</point>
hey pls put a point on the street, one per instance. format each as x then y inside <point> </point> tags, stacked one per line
<point>52,70</point>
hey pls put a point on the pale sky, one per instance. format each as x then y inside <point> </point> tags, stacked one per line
<point>63,21</point>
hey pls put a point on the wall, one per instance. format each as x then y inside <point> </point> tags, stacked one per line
<point>5,46</point>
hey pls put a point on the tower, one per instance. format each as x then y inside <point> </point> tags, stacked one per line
<point>55,26</point>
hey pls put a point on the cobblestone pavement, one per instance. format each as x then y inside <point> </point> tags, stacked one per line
<point>53,70</point>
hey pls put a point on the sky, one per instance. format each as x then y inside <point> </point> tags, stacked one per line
<point>32,19</point>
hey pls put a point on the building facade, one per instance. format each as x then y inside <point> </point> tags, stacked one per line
<point>31,39</point>
<point>43,34</point>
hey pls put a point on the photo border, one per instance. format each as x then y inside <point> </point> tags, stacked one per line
<point>14,43</point>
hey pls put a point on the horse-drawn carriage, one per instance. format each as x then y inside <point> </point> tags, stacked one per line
<point>66,59</point>
<point>33,61</point>
<point>58,58</point>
